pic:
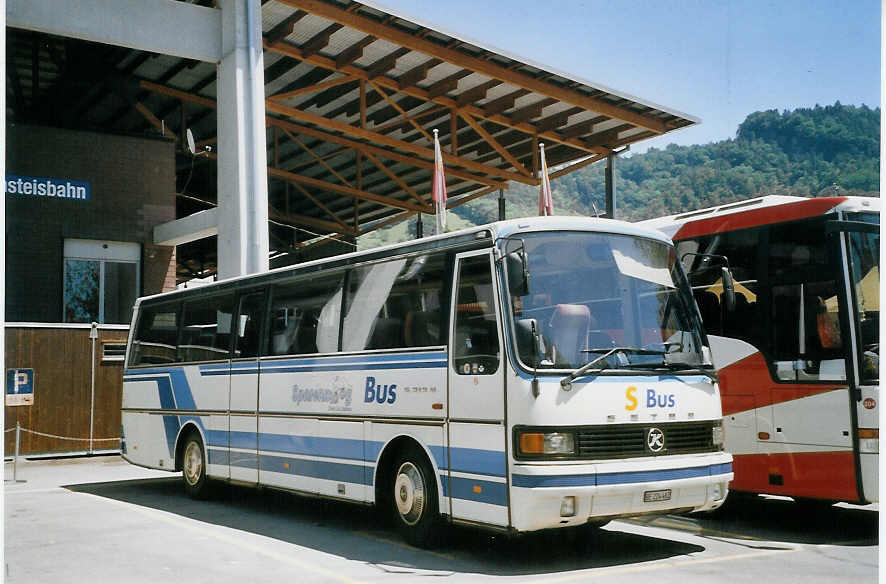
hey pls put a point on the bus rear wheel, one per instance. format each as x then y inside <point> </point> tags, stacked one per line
<point>194,467</point>
<point>414,498</point>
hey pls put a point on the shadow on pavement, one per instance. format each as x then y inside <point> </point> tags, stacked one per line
<point>362,534</point>
<point>780,520</point>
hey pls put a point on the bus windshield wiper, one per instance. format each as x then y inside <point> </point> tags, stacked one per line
<point>675,366</point>
<point>566,382</point>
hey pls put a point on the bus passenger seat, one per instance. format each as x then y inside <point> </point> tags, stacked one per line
<point>416,329</point>
<point>569,326</point>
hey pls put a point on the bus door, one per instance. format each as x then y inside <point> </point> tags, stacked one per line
<point>244,386</point>
<point>477,458</point>
<point>861,245</point>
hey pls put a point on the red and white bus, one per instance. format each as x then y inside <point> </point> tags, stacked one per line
<point>798,353</point>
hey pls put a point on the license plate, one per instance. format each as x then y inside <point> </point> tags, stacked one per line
<point>656,496</point>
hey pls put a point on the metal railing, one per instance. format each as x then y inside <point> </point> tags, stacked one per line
<point>18,430</point>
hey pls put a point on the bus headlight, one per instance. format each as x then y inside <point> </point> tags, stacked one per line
<point>717,436</point>
<point>547,443</point>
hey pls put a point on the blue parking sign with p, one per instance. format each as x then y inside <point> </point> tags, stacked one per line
<point>19,387</point>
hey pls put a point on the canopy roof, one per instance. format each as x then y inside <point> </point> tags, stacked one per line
<point>353,94</point>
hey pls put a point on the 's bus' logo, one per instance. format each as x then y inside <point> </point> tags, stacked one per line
<point>655,439</point>
<point>870,403</point>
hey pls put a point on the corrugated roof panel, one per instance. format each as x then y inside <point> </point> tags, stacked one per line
<point>273,13</point>
<point>376,51</point>
<point>342,39</point>
<point>437,73</point>
<point>408,62</point>
<point>306,28</point>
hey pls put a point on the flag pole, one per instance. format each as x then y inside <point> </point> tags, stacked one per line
<point>545,199</point>
<point>438,187</point>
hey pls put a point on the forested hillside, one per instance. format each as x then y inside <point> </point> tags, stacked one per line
<point>806,152</point>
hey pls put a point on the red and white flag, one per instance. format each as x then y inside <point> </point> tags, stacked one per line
<point>545,201</point>
<point>438,189</point>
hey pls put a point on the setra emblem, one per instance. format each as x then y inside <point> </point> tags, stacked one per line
<point>655,439</point>
<point>870,403</point>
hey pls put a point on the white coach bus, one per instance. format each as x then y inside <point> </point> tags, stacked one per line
<point>528,374</point>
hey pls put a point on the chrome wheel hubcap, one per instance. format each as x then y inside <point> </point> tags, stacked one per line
<point>193,463</point>
<point>409,493</point>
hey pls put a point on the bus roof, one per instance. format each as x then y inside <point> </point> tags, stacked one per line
<point>472,237</point>
<point>766,210</point>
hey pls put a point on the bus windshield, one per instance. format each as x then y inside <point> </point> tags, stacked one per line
<point>591,292</point>
<point>864,257</point>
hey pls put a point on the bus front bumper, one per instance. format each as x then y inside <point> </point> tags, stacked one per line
<point>562,495</point>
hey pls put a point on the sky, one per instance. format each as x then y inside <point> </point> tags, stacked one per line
<point>717,60</point>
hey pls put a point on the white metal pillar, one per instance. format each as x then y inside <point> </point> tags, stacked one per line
<point>242,156</point>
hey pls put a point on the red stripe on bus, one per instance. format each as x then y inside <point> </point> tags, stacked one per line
<point>746,384</point>
<point>822,475</point>
<point>757,217</point>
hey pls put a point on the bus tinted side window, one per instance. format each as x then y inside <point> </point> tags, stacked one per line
<point>156,336</point>
<point>305,315</point>
<point>395,304</point>
<point>741,248</point>
<point>805,341</point>
<point>476,331</point>
<point>206,329</point>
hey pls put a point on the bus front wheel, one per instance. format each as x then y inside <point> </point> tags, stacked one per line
<point>194,467</point>
<point>414,498</point>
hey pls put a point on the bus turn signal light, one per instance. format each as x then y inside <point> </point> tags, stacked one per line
<point>532,443</point>
<point>869,433</point>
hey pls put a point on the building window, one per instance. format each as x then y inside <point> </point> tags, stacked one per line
<point>101,280</point>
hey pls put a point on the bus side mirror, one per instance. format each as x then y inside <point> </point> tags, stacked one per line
<point>728,288</point>
<point>529,341</point>
<point>518,272</point>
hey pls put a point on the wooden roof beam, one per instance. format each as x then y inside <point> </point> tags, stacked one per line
<point>352,192</point>
<point>487,67</point>
<point>277,215</point>
<point>361,146</point>
<point>532,111</point>
<point>393,125</point>
<point>321,61</point>
<point>477,93</point>
<point>284,29</point>
<point>505,102</point>
<point>556,120</point>
<point>320,205</point>
<point>382,139</point>
<point>385,64</point>
<point>319,41</point>
<point>312,88</point>
<point>400,182</point>
<point>403,113</point>
<point>354,52</point>
<point>610,136</point>
<point>446,84</point>
<point>322,162</point>
<point>416,74</point>
<point>495,144</point>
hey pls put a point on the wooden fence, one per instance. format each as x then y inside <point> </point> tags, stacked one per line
<point>67,402</point>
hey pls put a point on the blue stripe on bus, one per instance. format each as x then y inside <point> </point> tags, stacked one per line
<point>618,478</point>
<point>479,491</point>
<point>220,457</point>
<point>318,469</point>
<point>345,448</point>
<point>476,461</point>
<point>172,383</point>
